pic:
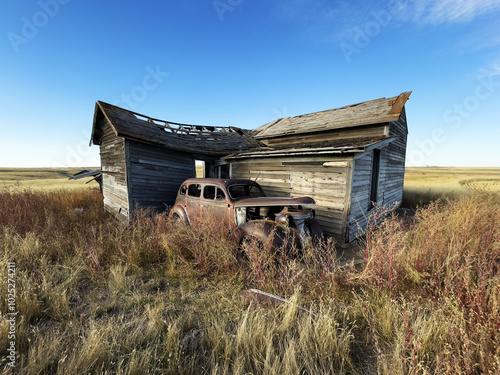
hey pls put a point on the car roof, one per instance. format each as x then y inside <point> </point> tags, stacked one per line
<point>222,182</point>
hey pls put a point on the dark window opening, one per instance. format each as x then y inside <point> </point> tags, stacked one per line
<point>209,192</point>
<point>240,191</point>
<point>183,190</point>
<point>375,177</point>
<point>220,195</point>
<point>194,190</point>
<point>212,192</point>
<point>224,171</point>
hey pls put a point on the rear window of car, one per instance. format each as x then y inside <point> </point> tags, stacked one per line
<point>240,191</point>
<point>194,190</point>
<point>183,190</point>
<point>213,193</point>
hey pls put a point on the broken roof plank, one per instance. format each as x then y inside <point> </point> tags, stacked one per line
<point>398,105</point>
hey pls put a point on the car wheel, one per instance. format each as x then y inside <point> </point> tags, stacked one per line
<point>251,242</point>
<point>250,247</point>
<point>179,219</point>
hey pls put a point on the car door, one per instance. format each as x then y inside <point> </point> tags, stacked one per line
<point>193,203</point>
<point>214,205</point>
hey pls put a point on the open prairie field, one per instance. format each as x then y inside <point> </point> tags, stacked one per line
<point>43,178</point>
<point>426,184</point>
<point>457,179</point>
<point>199,171</point>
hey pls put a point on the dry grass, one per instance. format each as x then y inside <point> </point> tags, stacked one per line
<point>441,272</point>
<point>97,296</point>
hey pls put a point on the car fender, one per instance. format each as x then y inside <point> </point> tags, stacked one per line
<point>261,230</point>
<point>179,210</point>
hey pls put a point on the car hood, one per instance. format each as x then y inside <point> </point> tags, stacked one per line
<point>272,201</point>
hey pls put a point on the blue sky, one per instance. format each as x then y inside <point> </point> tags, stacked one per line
<point>244,63</point>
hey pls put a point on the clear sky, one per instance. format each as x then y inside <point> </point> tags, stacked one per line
<point>244,63</point>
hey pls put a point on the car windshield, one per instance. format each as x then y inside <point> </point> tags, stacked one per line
<point>241,191</point>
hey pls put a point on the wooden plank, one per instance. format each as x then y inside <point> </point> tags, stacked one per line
<point>320,194</point>
<point>347,202</point>
<point>319,183</point>
<point>322,175</point>
<point>335,164</point>
<point>400,102</point>
<point>279,160</point>
<point>330,222</point>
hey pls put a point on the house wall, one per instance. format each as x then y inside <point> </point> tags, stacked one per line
<point>395,165</point>
<point>360,194</point>
<point>390,182</point>
<point>323,178</point>
<point>114,173</point>
<point>155,174</point>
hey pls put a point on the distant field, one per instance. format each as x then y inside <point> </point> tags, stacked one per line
<point>199,171</point>
<point>453,178</point>
<point>419,181</point>
<point>43,178</point>
<point>425,184</point>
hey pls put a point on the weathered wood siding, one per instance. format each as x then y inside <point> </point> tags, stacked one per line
<point>322,178</point>
<point>394,171</point>
<point>390,181</point>
<point>155,174</point>
<point>360,194</point>
<point>114,173</point>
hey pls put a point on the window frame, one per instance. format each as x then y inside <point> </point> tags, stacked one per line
<point>195,196</point>
<point>216,193</point>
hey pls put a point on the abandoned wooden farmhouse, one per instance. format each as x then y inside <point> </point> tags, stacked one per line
<point>349,159</point>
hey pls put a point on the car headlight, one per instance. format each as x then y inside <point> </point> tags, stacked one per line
<point>281,219</point>
<point>240,216</point>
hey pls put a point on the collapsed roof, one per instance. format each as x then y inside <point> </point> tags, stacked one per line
<point>233,142</point>
<point>200,139</point>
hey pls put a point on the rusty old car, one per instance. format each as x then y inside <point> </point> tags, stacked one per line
<point>249,214</point>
